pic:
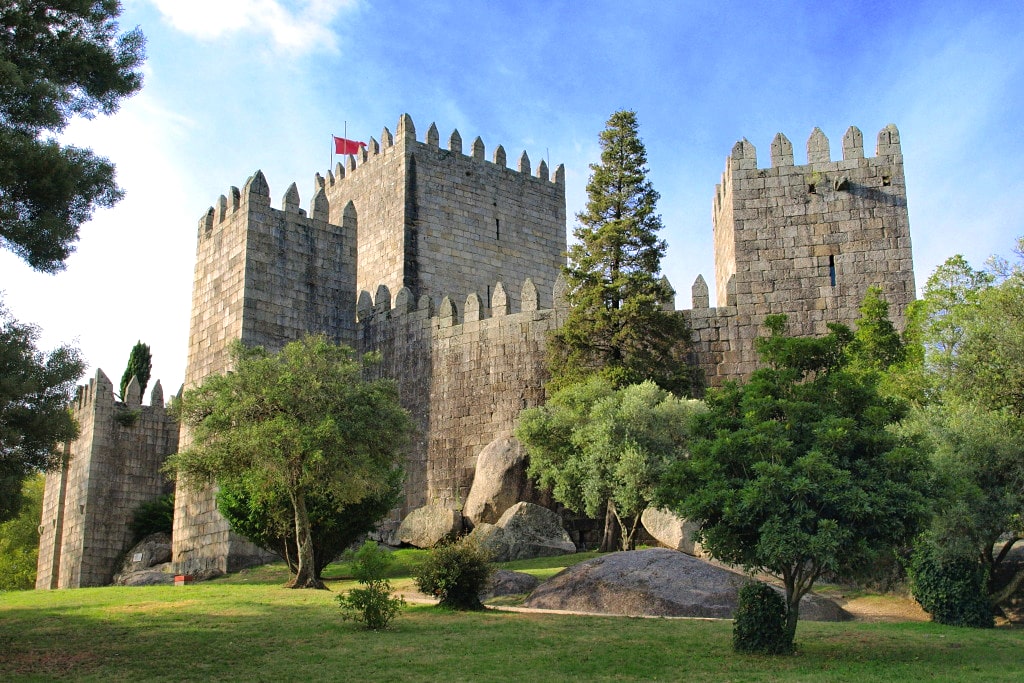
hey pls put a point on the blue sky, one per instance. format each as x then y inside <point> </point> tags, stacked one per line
<point>238,85</point>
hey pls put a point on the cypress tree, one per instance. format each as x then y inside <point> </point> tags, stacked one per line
<point>140,363</point>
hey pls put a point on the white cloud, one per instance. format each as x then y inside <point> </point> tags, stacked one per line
<point>295,30</point>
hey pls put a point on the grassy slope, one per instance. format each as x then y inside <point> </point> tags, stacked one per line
<point>247,627</point>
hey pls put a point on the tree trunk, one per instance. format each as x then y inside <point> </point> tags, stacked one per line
<point>610,539</point>
<point>306,576</point>
<point>792,610</point>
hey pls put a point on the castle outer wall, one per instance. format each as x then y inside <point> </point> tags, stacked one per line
<point>111,469</point>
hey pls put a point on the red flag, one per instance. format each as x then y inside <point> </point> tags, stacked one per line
<point>343,146</point>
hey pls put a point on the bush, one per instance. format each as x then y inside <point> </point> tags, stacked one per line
<point>153,517</point>
<point>372,605</point>
<point>953,590</point>
<point>760,622</point>
<point>456,574</point>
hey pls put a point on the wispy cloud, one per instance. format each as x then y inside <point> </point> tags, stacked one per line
<point>294,30</point>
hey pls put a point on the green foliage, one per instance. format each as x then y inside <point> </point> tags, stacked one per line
<point>796,472</point>
<point>266,518</point>
<point>617,326</point>
<point>373,604</point>
<point>302,422</point>
<point>152,517</point>
<point>58,60</point>
<point>19,539</point>
<point>953,589</point>
<point>759,625</point>
<point>972,415</point>
<point>127,418</point>
<point>140,363</point>
<point>35,389</point>
<point>456,574</point>
<point>598,448</point>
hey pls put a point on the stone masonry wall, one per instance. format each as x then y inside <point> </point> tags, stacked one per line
<point>441,222</point>
<point>463,376</point>
<point>808,240</point>
<point>112,468</point>
<point>265,276</point>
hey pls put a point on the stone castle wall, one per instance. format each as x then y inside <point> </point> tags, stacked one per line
<point>448,264</point>
<point>464,376</point>
<point>112,468</point>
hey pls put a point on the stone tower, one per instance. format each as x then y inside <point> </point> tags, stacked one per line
<point>404,215</point>
<point>112,468</point>
<point>803,240</point>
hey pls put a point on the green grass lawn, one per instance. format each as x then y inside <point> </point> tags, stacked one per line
<point>247,627</point>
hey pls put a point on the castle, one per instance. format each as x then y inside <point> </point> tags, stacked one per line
<point>449,265</point>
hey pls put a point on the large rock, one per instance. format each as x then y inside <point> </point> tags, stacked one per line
<point>657,582</point>
<point>152,551</point>
<point>507,582</point>
<point>427,526</point>
<point>499,481</point>
<point>524,531</point>
<point>671,530</point>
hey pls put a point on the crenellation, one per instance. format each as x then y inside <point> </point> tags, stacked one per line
<point>386,138</point>
<point>455,142</point>
<point>853,146</point>
<point>499,156</point>
<point>290,202</point>
<point>782,151</point>
<point>477,148</point>
<point>524,163</point>
<point>818,148</point>
<point>542,170</point>
<point>433,138</point>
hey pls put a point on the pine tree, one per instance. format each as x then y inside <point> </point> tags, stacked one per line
<point>58,60</point>
<point>140,363</point>
<point>617,326</point>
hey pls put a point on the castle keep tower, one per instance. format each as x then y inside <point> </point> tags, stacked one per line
<point>804,240</point>
<point>407,220</point>
<point>112,468</point>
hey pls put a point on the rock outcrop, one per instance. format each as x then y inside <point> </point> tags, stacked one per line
<point>524,531</point>
<point>671,530</point>
<point>427,526</point>
<point>499,481</point>
<point>657,582</point>
<point>147,563</point>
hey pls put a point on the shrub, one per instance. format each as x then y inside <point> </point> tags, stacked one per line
<point>372,605</point>
<point>953,590</point>
<point>456,574</point>
<point>153,517</point>
<point>760,622</point>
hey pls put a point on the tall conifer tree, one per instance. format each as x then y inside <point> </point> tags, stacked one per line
<point>617,325</point>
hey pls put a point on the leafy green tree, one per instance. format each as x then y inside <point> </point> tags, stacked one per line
<point>602,450</point>
<point>58,60</point>
<point>19,539</point>
<point>795,473</point>
<point>140,363</point>
<point>302,421</point>
<point>973,419</point>
<point>266,519</point>
<point>617,326</point>
<point>35,389</point>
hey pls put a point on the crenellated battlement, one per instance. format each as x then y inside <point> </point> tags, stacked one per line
<point>744,155</point>
<point>380,309</point>
<point>406,135</point>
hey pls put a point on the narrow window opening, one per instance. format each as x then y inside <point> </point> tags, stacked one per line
<point>832,270</point>
<point>497,228</point>
<point>886,181</point>
<point>488,302</point>
<point>811,188</point>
